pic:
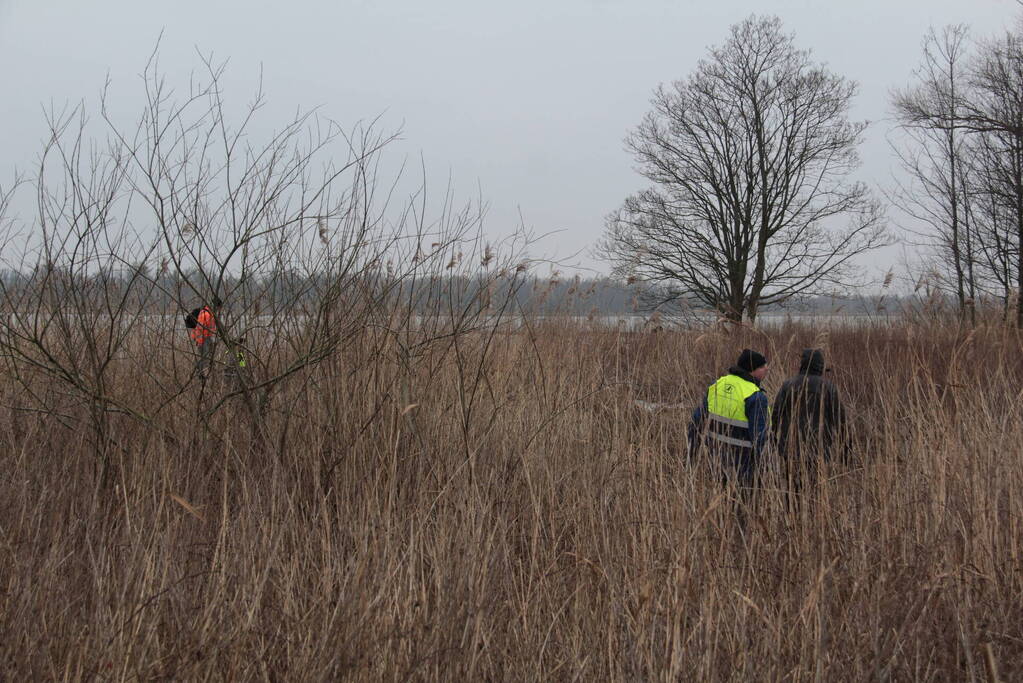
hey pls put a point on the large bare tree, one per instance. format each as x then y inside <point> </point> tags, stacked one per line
<point>752,200</point>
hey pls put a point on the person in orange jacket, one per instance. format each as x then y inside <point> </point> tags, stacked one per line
<point>202,326</point>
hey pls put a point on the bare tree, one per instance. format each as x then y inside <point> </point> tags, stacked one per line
<point>997,118</point>
<point>934,156</point>
<point>750,159</point>
<point>990,224</point>
<point>992,117</point>
<point>296,235</point>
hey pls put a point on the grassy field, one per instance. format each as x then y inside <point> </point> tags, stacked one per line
<point>494,508</point>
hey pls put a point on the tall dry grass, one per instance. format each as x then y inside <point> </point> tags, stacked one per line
<point>494,509</point>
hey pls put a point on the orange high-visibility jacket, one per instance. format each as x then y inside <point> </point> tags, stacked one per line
<point>205,326</point>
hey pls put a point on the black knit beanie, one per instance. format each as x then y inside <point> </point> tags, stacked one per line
<point>751,360</point>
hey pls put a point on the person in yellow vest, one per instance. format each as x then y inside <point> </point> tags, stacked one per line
<point>733,420</point>
<point>235,368</point>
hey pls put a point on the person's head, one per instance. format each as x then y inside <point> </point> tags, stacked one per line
<point>812,362</point>
<point>754,363</point>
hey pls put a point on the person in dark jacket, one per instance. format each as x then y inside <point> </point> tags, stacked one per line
<point>733,419</point>
<point>809,420</point>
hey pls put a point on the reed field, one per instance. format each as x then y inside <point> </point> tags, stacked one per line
<point>492,506</point>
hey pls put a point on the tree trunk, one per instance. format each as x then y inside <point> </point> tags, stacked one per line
<point>953,195</point>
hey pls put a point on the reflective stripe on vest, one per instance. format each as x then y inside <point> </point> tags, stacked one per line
<point>728,421</point>
<point>731,441</point>
<point>726,408</point>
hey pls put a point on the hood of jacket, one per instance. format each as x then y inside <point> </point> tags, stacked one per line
<point>812,362</point>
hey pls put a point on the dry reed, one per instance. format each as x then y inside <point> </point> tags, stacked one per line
<point>500,512</point>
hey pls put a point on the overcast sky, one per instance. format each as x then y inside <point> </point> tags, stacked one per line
<point>527,101</point>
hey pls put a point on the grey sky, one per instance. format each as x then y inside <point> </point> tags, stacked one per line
<point>527,100</point>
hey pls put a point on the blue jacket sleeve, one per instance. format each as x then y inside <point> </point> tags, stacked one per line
<point>696,425</point>
<point>758,414</point>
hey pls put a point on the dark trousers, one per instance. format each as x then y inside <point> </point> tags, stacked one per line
<point>737,465</point>
<point>204,362</point>
<point>801,470</point>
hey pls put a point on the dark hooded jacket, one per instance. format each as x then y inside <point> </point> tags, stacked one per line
<point>808,420</point>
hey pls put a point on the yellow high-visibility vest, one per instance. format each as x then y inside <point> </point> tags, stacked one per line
<point>726,407</point>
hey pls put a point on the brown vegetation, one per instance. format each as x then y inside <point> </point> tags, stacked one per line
<point>492,508</point>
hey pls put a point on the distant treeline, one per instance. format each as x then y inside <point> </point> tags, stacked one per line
<point>570,296</point>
